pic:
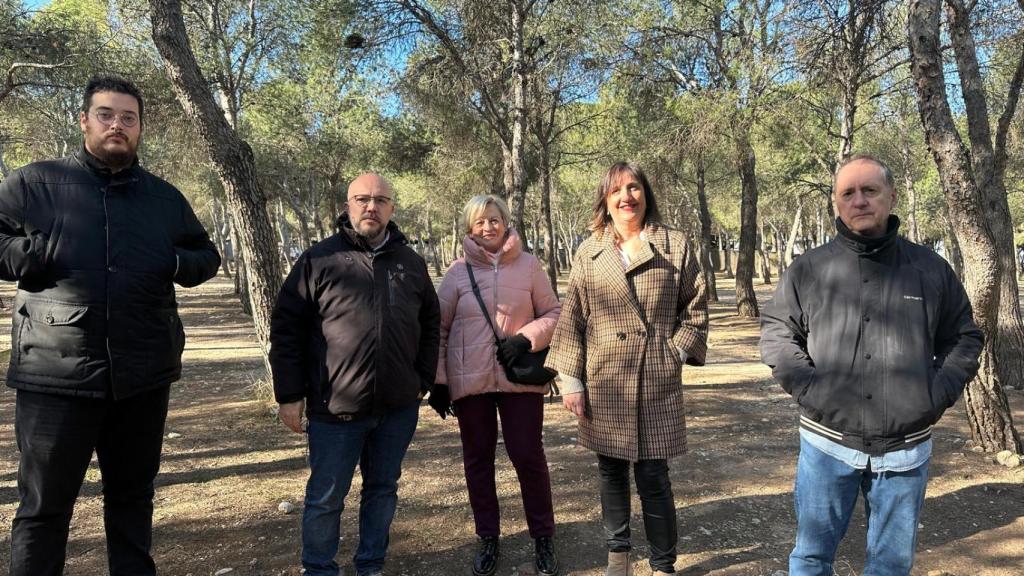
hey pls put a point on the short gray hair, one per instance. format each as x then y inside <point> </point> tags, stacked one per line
<point>476,206</point>
<point>850,159</point>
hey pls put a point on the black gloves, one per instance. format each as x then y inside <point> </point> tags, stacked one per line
<point>513,347</point>
<point>440,401</point>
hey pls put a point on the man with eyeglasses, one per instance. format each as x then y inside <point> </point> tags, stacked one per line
<point>95,243</point>
<point>354,344</point>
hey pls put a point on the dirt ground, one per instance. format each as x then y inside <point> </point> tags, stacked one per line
<point>228,464</point>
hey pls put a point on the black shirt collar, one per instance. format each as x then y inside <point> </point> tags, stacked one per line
<point>864,245</point>
<point>97,167</point>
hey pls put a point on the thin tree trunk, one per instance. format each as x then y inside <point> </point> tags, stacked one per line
<point>727,254</point>
<point>517,145</point>
<point>987,409</point>
<point>746,298</point>
<point>283,236</point>
<point>4,171</point>
<point>706,249</point>
<point>794,233</point>
<point>232,159</point>
<point>908,181</point>
<point>548,256</point>
<point>766,267</point>
<point>219,225</point>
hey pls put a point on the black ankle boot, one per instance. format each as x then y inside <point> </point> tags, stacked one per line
<point>544,560</point>
<point>487,558</point>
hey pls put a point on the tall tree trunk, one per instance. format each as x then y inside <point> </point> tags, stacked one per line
<point>987,409</point>
<point>726,254</point>
<point>283,235</point>
<point>908,181</point>
<point>219,228</point>
<point>706,249</point>
<point>794,233</point>
<point>4,171</point>
<point>430,241</point>
<point>954,256</point>
<point>762,252</point>
<point>849,114</point>
<point>517,195</point>
<point>548,258</point>
<point>232,160</point>
<point>746,298</point>
<point>988,161</point>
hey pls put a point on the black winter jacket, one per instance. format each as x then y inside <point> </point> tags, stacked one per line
<point>95,256</point>
<point>874,339</point>
<point>355,331</point>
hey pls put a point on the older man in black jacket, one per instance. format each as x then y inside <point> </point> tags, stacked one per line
<point>95,243</point>
<point>873,337</point>
<point>354,341</point>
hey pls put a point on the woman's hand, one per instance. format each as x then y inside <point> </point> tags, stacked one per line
<point>575,402</point>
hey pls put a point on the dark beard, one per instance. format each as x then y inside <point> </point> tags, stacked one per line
<point>116,161</point>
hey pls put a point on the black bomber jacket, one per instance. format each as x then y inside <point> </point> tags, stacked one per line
<point>874,338</point>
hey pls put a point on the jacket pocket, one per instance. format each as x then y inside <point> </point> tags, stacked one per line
<point>806,398</point>
<point>52,339</point>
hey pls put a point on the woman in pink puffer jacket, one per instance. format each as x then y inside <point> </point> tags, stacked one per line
<point>524,309</point>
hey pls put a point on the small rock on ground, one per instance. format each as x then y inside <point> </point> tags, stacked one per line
<point>286,507</point>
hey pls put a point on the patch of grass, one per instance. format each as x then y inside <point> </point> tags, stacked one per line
<point>262,391</point>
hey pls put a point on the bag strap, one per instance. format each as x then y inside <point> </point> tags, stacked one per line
<point>480,300</point>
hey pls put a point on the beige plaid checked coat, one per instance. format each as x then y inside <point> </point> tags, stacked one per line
<point>620,332</point>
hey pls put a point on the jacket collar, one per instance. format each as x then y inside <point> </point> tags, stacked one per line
<point>865,246</point>
<point>96,166</point>
<point>394,236</point>
<point>508,252</point>
<point>608,262</point>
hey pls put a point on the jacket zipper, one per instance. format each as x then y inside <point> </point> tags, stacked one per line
<point>106,335</point>
<point>391,288</point>
<point>497,387</point>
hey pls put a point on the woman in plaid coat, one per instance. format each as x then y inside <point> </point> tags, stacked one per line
<point>635,311</point>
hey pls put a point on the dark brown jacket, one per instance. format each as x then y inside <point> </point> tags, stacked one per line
<point>621,331</point>
<point>355,331</point>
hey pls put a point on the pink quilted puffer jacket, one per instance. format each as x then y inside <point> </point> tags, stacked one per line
<point>526,305</point>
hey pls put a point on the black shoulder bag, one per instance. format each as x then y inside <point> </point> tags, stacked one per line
<point>528,368</point>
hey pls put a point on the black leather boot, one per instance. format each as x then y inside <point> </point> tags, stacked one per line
<point>486,562</point>
<point>544,560</point>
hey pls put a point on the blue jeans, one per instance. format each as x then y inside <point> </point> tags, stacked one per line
<point>826,492</point>
<point>378,445</point>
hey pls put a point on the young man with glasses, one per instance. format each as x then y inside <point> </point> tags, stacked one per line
<point>354,344</point>
<point>95,243</point>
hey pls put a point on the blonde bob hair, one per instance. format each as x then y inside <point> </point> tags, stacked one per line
<point>476,206</point>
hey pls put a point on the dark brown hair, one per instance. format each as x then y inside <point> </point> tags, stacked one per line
<point>601,216</point>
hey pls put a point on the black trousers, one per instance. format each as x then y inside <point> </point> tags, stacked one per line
<point>656,500</point>
<point>56,436</point>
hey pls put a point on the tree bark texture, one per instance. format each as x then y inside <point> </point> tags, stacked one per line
<point>987,409</point>
<point>548,258</point>
<point>989,163</point>
<point>908,181</point>
<point>746,298</point>
<point>232,160</point>
<point>707,262</point>
<point>517,195</point>
<point>726,255</point>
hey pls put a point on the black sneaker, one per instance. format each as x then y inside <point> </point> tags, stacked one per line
<point>544,560</point>
<point>487,558</point>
